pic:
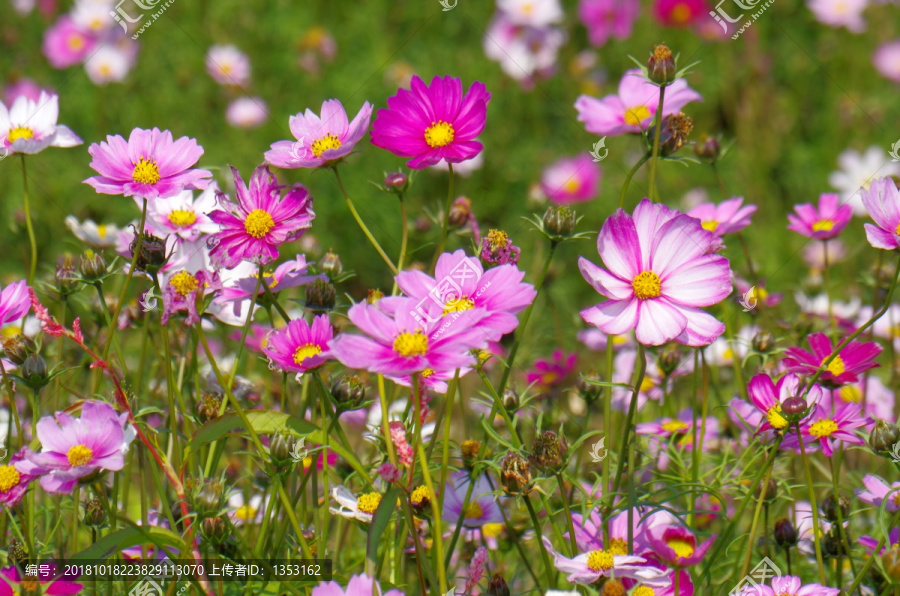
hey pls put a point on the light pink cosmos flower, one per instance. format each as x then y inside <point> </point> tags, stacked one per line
<point>824,222</point>
<point>524,53</point>
<point>887,60</point>
<point>483,506</point>
<point>15,302</point>
<point>728,217</point>
<point>111,63</point>
<point>183,215</point>
<point>247,112</point>
<point>608,18</point>
<point>240,282</point>
<point>260,221</point>
<point>840,13</point>
<point>30,126</point>
<point>228,65</point>
<point>66,44</point>
<point>532,13</point>
<point>15,477</point>
<point>633,109</point>
<point>149,165</point>
<point>23,86</point>
<point>299,346</point>
<point>827,428</point>
<point>572,180</point>
<point>587,568</point>
<point>878,491</point>
<point>660,274</point>
<point>359,585</point>
<point>789,584</point>
<point>320,141</point>
<point>882,201</point>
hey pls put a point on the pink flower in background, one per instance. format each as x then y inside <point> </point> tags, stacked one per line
<point>183,215</point>
<point>497,248</point>
<point>15,302</point>
<point>524,53</point>
<point>359,585</point>
<point>111,63</point>
<point>676,545</point>
<point>840,13</point>
<point>26,87</point>
<point>67,44</point>
<point>827,428</point>
<point>823,222</point>
<point>13,581</point>
<point>878,491</point>
<point>15,477</point>
<point>549,373</point>
<point>260,221</point>
<point>149,165</point>
<point>728,217</point>
<point>887,60</point>
<point>431,123</point>
<point>31,126</point>
<point>633,108</point>
<point>320,141</point>
<point>608,18</point>
<point>660,274</point>
<point>855,358</point>
<point>532,13</point>
<point>228,65</point>
<point>247,112</point>
<point>240,282</point>
<point>299,346</point>
<point>483,507</point>
<point>882,202</point>
<point>572,180</point>
<point>402,447</point>
<point>680,13</point>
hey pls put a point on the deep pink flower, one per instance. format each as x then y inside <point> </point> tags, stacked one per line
<point>11,580</point>
<point>359,585</point>
<point>728,217</point>
<point>679,13</point>
<point>431,123</point>
<point>549,373</point>
<point>677,546</point>
<point>320,141</point>
<point>66,44</point>
<point>15,302</point>
<point>608,18</point>
<point>855,358</point>
<point>768,397</point>
<point>253,228</point>
<point>632,110</point>
<point>299,346</point>
<point>827,428</point>
<point>882,202</point>
<point>16,476</point>
<point>149,165</point>
<point>659,276</point>
<point>182,290</point>
<point>571,180</point>
<point>240,282</point>
<point>826,221</point>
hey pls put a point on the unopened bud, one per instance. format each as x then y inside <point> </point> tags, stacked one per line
<point>585,385</point>
<point>510,399</point>
<point>331,264</point>
<point>549,451</point>
<point>708,149</point>
<point>17,348</point>
<point>34,371</point>
<point>785,533</point>
<point>470,449</point>
<point>65,276</point>
<point>832,506</point>
<point>348,391</point>
<point>93,265</point>
<point>884,437</point>
<point>320,295</point>
<point>661,66</point>
<point>767,492</point>
<point>460,211</point>
<point>497,586</point>
<point>794,405</point>
<point>281,447</point>
<point>515,474</point>
<point>559,221</point>
<point>763,342</point>
<point>209,498</point>
<point>214,529</point>
<point>669,359</point>
<point>94,513</point>
<point>396,182</point>
<point>152,255</point>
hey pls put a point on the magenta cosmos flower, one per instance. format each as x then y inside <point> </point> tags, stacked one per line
<point>571,180</point>
<point>299,347</point>
<point>789,585</point>
<point>75,447</point>
<point>548,373</point>
<point>409,343</point>
<point>677,546</point>
<point>15,302</point>
<point>826,428</point>
<point>29,126</point>
<point>320,141</point>
<point>632,110</point>
<point>824,222</point>
<point>15,478</point>
<point>882,202</point>
<point>608,18</point>
<point>431,123</point>
<point>149,165</point>
<point>359,585</point>
<point>679,13</point>
<point>728,217</point>
<point>66,43</point>
<point>659,276</point>
<point>855,358</point>
<point>13,582</point>
<point>878,491</point>
<point>253,228</point>
<point>768,397</point>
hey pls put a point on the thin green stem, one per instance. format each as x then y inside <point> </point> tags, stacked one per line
<point>548,568</point>
<point>565,501</point>
<point>362,225</point>
<point>630,175</point>
<point>404,240</point>
<point>445,224</point>
<point>657,121</point>
<point>29,227</point>
<point>763,495</point>
<point>632,408</point>
<point>813,506</point>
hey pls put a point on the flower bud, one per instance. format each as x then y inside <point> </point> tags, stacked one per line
<point>209,498</point>
<point>152,255</point>
<point>94,515</point>
<point>93,265</point>
<point>16,551</point>
<point>832,545</point>
<point>763,342</point>
<point>794,405</point>
<point>559,221</point>
<point>65,277</point>
<point>831,506</point>
<point>208,407</point>
<point>661,66</point>
<point>310,537</point>
<point>34,371</point>
<point>460,211</point>
<point>510,400</point>
<point>674,133</point>
<point>891,562</point>
<point>214,529</point>
<point>373,296</point>
<point>708,149</point>
<point>767,492</point>
<point>419,500</point>
<point>549,451</point>
<point>470,451</point>
<point>348,391</point>
<point>320,295</point>
<point>785,533</point>
<point>515,474</point>
<point>281,447</point>
<point>884,437</point>
<point>585,385</point>
<point>396,182</point>
<point>613,587</point>
<point>17,348</point>
<point>331,264</point>
<point>669,359</point>
<point>497,586</point>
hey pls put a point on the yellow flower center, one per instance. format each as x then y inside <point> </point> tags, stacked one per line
<point>30,585</point>
<point>76,42</point>
<point>491,530</point>
<point>709,226</point>
<point>411,344</point>
<point>426,373</point>
<point>474,511</point>
<point>306,351</point>
<point>259,223</point>
<point>674,426</point>
<point>852,394</point>
<point>497,239</point>
<point>634,116</point>
<point>245,513</point>
<point>440,133</point>
<point>320,146</point>
<point>682,547</point>
<point>647,285</point>
<point>823,428</point>
<point>823,225</point>
<point>897,230</point>
<point>20,132</point>
<point>647,384</point>
<point>458,305</point>
<point>644,591</point>
<point>572,185</point>
<point>680,14</point>
<point>617,546</point>
<point>184,283</point>
<point>600,560</point>
<point>182,218</point>
<point>145,172</point>
<point>368,502</point>
<point>79,455</point>
<point>836,367</point>
<point>9,477</point>
<point>776,420</point>
<point>619,340</point>
<point>269,278</point>
<point>418,495</point>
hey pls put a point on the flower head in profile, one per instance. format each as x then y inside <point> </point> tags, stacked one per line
<point>827,428</point>
<point>571,180</point>
<point>299,346</point>
<point>882,202</point>
<point>728,217</point>
<point>29,126</point>
<point>260,221</point>
<point>856,357</point>
<point>823,222</point>
<point>428,123</point>
<point>362,507</point>
<point>148,165</point>
<point>878,491</point>
<point>320,140</point>
<point>240,282</point>
<point>93,234</point>
<point>660,274</point>
<point>15,302</point>
<point>589,567</point>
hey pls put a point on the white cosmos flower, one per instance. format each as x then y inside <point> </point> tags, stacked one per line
<point>353,507</point>
<point>857,170</point>
<point>93,234</point>
<point>30,127</point>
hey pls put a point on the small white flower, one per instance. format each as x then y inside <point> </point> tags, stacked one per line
<point>30,126</point>
<point>93,234</point>
<point>353,507</point>
<point>857,170</point>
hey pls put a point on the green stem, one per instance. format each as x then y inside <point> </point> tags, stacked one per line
<point>657,120</point>
<point>813,506</point>
<point>759,504</point>
<point>630,175</point>
<point>565,500</point>
<point>445,224</point>
<point>362,225</point>
<point>32,266</point>
<point>436,518</point>
<point>845,540</point>
<point>404,239</point>
<point>632,408</point>
<point>548,567</point>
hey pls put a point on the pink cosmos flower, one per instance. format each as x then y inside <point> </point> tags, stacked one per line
<point>878,491</point>
<point>762,295</point>
<point>240,282</point>
<point>840,13</point>
<point>497,248</point>
<point>608,18</point>
<point>524,53</point>
<point>16,476</point>
<point>677,546</point>
<point>659,276</point>
<point>587,568</point>
<point>149,165</point>
<point>882,201</point>
<point>253,228</point>
<point>728,217</point>
<point>183,215</point>
<point>228,65</point>
<point>183,289</point>
<point>483,507</point>
<point>826,428</point>
<point>299,346</point>
<point>30,126</point>
<point>359,585</point>
<point>887,60</point>
<point>75,447</point>
<point>247,112</point>
<point>15,302</point>
<point>855,358</point>
<point>826,221</point>
<point>789,584</point>
<point>13,582</point>
<point>768,397</point>
<point>408,343</point>
<point>572,180</point>
<point>320,141</point>
<point>430,123</point>
<point>633,109</point>
<point>66,44</point>
<point>549,373</point>
<point>532,13</point>
<point>23,86</point>
<point>679,13</point>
